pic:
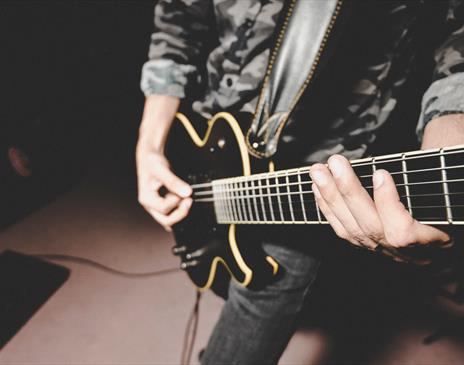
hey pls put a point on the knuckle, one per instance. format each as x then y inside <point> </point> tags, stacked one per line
<point>374,234</point>
<point>359,237</point>
<point>163,209</point>
<point>399,238</point>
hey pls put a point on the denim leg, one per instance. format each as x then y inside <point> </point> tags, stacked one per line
<point>255,326</point>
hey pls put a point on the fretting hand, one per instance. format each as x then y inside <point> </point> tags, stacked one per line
<point>383,220</point>
<point>364,221</point>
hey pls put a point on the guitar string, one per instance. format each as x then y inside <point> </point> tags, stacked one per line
<point>245,187</point>
<point>242,202</point>
<point>226,205</point>
<point>310,181</point>
<point>239,202</point>
<point>212,200</point>
<point>304,192</point>
<point>276,186</point>
<point>360,177</point>
<point>285,216</point>
<point>244,206</point>
<point>375,162</point>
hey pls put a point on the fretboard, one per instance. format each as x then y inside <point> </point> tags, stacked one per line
<point>430,185</point>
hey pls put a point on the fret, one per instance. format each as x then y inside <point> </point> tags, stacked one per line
<point>216,201</point>
<point>261,197</point>
<point>290,205</point>
<point>218,198</point>
<point>406,185</point>
<point>223,203</point>
<point>226,202</point>
<point>300,189</point>
<point>449,213</point>
<point>248,195</point>
<point>232,201</point>
<point>455,171</point>
<point>318,211</point>
<point>282,218</point>
<point>242,201</point>
<point>423,191</point>
<point>237,201</point>
<point>255,202</point>
<point>270,199</point>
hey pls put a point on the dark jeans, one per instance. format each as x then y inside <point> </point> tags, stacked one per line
<point>255,326</point>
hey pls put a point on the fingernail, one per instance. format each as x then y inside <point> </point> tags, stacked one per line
<point>319,177</point>
<point>316,191</point>
<point>377,179</point>
<point>185,191</point>
<point>336,167</point>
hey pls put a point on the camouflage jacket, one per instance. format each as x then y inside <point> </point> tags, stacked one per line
<point>223,45</point>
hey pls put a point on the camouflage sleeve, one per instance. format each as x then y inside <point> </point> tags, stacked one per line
<point>446,93</point>
<point>176,46</point>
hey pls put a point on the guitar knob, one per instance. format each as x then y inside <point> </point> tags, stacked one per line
<point>177,250</point>
<point>189,264</point>
<point>196,254</point>
<point>221,143</point>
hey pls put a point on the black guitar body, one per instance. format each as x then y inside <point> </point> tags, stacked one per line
<point>213,253</point>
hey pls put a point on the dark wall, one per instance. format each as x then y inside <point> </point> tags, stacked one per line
<point>69,89</point>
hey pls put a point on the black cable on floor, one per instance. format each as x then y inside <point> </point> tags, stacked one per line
<point>191,332</point>
<point>100,266</point>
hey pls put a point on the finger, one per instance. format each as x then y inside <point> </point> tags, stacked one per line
<point>160,218</point>
<point>180,213</point>
<point>356,198</point>
<point>330,194</point>
<point>171,182</point>
<point>164,205</point>
<point>400,228</point>
<point>176,215</point>
<point>338,228</point>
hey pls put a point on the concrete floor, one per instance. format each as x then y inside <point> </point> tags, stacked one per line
<point>99,318</point>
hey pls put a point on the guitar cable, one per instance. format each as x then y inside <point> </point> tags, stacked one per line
<point>192,323</point>
<point>191,331</point>
<point>105,268</point>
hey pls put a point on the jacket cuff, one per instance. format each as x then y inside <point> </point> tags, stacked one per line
<point>444,96</point>
<point>165,77</point>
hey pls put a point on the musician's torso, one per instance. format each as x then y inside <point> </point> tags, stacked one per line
<point>344,108</point>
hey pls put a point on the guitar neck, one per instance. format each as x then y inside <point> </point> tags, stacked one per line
<point>430,185</point>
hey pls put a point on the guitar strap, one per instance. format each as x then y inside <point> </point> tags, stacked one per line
<point>299,52</point>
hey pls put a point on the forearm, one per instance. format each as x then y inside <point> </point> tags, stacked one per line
<point>158,115</point>
<point>444,131</point>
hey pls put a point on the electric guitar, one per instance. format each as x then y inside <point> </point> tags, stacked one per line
<point>232,189</point>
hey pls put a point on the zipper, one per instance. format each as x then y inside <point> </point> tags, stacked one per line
<point>307,81</point>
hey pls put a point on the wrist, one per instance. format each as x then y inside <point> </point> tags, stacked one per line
<point>158,114</point>
<point>151,140</point>
<point>444,131</point>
